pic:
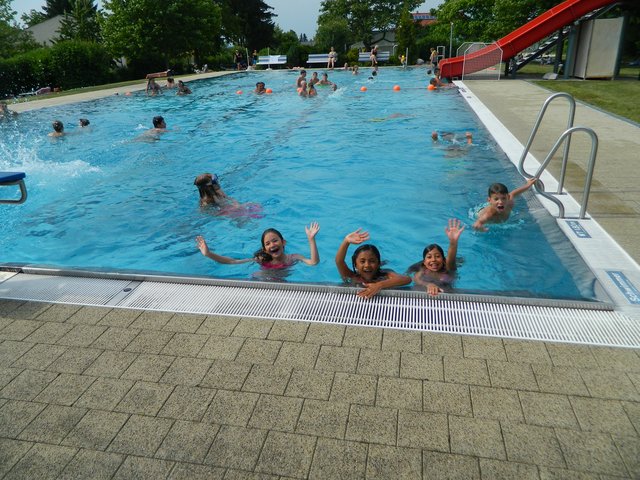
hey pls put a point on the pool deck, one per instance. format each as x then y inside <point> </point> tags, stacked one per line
<point>88,392</point>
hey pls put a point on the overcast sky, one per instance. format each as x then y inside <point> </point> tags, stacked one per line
<point>297,15</point>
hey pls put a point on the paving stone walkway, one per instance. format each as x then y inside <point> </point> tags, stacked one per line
<point>91,392</point>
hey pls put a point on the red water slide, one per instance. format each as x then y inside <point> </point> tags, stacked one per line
<point>525,36</point>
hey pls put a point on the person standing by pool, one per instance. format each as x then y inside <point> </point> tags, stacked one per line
<point>499,204</point>
<point>433,58</point>
<point>333,56</point>
<point>254,58</point>
<point>373,56</point>
<point>237,59</point>
<point>272,254</point>
<point>366,266</point>
<point>437,271</point>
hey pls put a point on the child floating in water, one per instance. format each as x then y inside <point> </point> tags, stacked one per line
<point>211,194</point>
<point>366,266</point>
<point>451,137</point>
<point>437,271</point>
<point>499,204</point>
<point>271,255</point>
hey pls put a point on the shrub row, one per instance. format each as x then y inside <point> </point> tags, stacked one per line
<point>68,64</point>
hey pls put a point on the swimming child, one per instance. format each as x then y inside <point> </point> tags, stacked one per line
<point>301,78</point>
<point>499,204</point>
<point>302,89</point>
<point>451,137</point>
<point>260,88</point>
<point>183,89</point>
<point>211,194</point>
<point>366,266</point>
<point>152,87</point>
<point>272,254</point>
<point>58,129</point>
<point>311,90</point>
<point>314,79</point>
<point>324,80</point>
<point>437,271</point>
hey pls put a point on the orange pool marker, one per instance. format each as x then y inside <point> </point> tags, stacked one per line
<point>431,87</point>
<point>239,92</point>
<point>363,88</point>
<point>396,88</point>
<point>268,90</point>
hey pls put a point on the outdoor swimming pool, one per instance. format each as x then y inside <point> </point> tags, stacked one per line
<point>103,199</point>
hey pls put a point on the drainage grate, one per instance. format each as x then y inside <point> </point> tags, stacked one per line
<point>530,319</point>
<point>61,289</point>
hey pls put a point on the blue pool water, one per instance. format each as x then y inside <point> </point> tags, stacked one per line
<point>108,198</point>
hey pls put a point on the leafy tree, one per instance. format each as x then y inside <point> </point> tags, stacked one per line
<point>81,23</point>
<point>365,16</point>
<point>247,23</point>
<point>33,17</point>
<point>406,34</point>
<point>283,41</point>
<point>153,33</point>
<point>333,32</point>
<point>13,40</point>
<point>57,7</point>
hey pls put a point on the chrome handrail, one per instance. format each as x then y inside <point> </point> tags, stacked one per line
<point>592,162</point>
<point>565,155</point>
<point>566,138</point>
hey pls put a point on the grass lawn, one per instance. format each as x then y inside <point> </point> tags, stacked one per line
<point>621,97</point>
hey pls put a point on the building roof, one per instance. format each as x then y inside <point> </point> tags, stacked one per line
<point>47,31</point>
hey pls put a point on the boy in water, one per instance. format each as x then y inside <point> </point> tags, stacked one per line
<point>500,203</point>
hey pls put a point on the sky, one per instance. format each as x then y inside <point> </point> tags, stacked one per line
<point>288,12</point>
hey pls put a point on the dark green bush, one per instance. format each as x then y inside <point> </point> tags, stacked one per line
<point>69,64</point>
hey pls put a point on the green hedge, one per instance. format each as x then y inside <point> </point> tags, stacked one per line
<point>69,64</point>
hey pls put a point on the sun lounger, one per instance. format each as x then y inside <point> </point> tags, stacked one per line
<point>14,178</point>
<point>366,57</point>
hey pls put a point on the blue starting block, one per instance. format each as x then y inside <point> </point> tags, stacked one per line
<point>14,178</point>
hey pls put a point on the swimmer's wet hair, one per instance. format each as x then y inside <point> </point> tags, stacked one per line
<point>157,121</point>
<point>498,188</point>
<point>84,122</point>
<point>58,126</point>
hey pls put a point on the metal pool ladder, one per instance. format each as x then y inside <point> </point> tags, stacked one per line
<point>566,138</point>
<point>14,178</point>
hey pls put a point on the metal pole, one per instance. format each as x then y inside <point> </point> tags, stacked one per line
<point>451,40</point>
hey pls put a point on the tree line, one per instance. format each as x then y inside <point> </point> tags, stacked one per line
<point>154,35</point>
